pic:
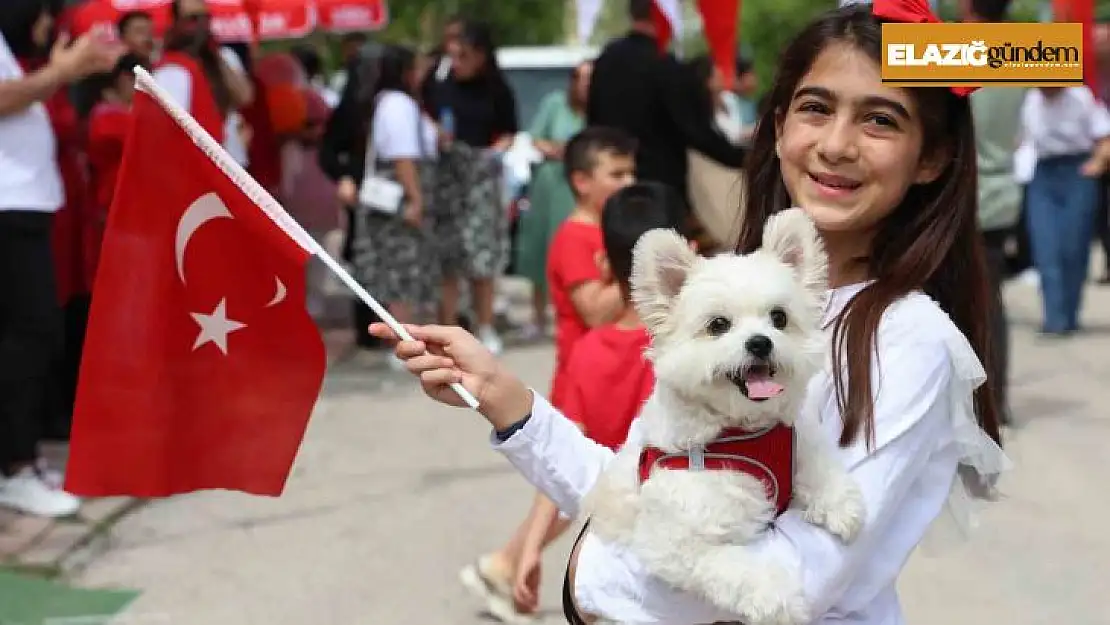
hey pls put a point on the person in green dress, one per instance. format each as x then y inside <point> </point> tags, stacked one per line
<point>561,115</point>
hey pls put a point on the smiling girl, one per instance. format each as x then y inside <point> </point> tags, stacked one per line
<point>888,176</point>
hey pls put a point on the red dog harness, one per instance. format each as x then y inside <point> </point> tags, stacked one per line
<point>767,455</point>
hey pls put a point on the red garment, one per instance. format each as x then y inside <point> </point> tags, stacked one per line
<point>72,218</point>
<point>571,261</point>
<point>608,379</point>
<point>264,151</point>
<point>108,125</point>
<point>201,365</point>
<point>767,455</point>
<point>202,102</point>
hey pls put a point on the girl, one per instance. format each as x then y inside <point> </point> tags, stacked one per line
<point>382,127</point>
<point>888,175</point>
<point>561,116</point>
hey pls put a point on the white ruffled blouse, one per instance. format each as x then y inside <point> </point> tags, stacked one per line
<point>925,427</point>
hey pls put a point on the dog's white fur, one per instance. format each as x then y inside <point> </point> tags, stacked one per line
<point>690,527</point>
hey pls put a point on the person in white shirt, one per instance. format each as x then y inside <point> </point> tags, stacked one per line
<point>1069,131</point>
<point>30,192</point>
<point>392,248</point>
<point>888,177</point>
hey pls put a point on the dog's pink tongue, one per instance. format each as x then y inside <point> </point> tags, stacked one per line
<point>761,386</point>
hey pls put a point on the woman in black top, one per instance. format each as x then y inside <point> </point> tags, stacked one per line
<point>476,109</point>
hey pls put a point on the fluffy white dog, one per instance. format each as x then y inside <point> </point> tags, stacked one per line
<point>735,339</point>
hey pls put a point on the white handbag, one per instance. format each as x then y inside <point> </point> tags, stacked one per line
<point>377,193</point>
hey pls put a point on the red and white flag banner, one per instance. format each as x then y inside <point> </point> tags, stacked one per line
<point>241,20</point>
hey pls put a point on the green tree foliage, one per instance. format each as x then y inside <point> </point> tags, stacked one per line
<point>514,22</point>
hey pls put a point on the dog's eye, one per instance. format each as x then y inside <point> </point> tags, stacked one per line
<point>718,326</point>
<point>778,318</point>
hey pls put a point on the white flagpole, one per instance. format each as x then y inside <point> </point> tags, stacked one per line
<point>268,205</point>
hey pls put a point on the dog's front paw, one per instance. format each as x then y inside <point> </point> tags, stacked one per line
<point>773,598</point>
<point>839,508</point>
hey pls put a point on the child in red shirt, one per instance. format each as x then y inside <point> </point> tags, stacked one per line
<point>607,378</point>
<point>598,161</point>
<point>109,121</point>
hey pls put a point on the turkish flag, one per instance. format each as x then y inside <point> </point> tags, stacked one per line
<point>718,19</point>
<point>201,365</point>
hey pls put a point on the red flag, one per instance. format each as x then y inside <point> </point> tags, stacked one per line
<point>201,366</point>
<point>718,18</point>
<point>665,14</point>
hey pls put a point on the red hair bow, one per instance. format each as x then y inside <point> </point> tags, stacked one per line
<point>911,12</point>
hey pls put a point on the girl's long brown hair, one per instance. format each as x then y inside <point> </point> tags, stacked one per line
<point>930,242</point>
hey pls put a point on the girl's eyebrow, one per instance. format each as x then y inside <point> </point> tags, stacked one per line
<point>871,101</point>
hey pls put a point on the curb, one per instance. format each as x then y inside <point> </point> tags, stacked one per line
<point>59,548</point>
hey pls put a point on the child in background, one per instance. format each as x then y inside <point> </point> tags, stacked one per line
<point>599,162</point>
<point>109,121</point>
<point>607,377</point>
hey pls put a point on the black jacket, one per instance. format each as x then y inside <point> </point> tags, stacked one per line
<point>650,95</point>
<point>343,146</point>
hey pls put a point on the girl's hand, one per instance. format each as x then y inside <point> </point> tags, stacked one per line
<point>413,214</point>
<point>526,585</point>
<point>443,355</point>
<point>347,191</point>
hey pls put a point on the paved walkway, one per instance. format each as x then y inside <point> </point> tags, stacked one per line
<point>392,494</point>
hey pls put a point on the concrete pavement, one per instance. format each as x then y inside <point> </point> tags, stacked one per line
<point>392,494</point>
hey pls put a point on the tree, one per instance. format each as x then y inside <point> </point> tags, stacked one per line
<point>514,23</point>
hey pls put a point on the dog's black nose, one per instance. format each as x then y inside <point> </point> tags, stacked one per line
<point>759,346</point>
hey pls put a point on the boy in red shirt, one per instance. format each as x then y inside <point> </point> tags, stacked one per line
<point>598,162</point>
<point>607,378</point>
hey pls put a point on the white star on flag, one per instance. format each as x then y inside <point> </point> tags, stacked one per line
<point>215,327</point>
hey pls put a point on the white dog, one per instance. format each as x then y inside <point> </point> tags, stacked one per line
<point>735,339</point>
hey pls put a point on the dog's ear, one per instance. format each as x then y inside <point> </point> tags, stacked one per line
<point>791,236</point>
<point>661,262</point>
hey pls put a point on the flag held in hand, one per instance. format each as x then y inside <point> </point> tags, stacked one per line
<point>201,365</point>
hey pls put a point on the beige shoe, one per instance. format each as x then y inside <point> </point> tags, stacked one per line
<point>496,591</point>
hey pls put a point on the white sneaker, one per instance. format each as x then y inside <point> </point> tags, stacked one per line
<point>488,336</point>
<point>51,477</point>
<point>30,494</point>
